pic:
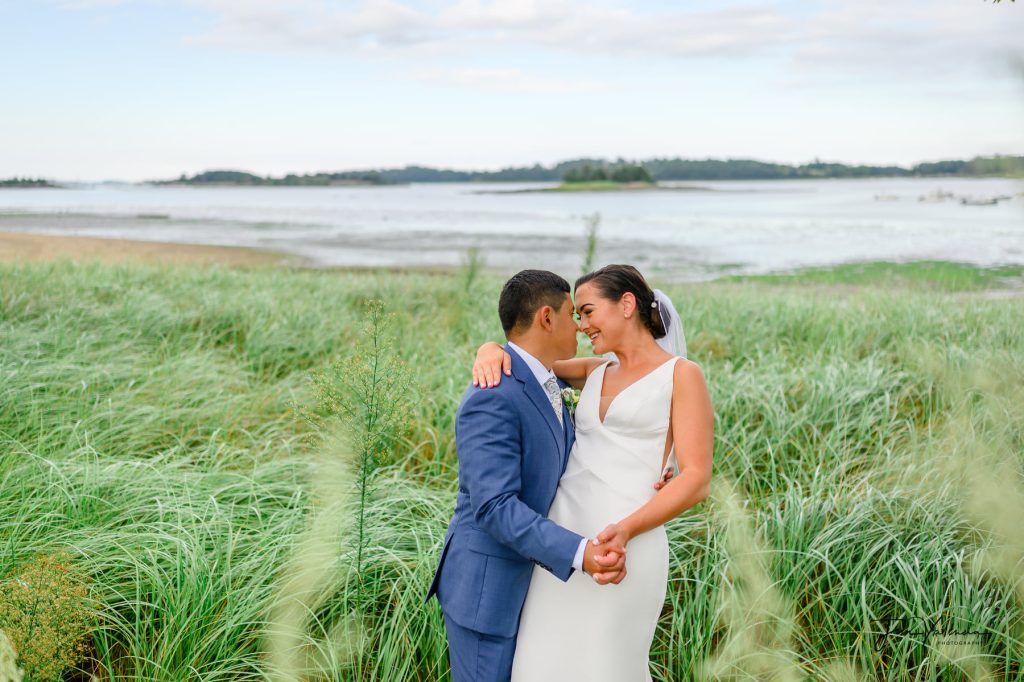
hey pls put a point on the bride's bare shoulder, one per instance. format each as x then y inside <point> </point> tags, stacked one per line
<point>687,372</point>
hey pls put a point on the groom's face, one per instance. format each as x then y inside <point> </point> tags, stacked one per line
<point>564,329</point>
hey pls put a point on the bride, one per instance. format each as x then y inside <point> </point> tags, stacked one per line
<point>640,406</point>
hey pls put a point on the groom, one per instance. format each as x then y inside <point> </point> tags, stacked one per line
<point>513,443</point>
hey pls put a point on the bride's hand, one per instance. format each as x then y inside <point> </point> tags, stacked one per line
<point>491,360</point>
<point>614,534</point>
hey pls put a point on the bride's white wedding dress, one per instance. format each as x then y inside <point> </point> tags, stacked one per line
<point>579,630</point>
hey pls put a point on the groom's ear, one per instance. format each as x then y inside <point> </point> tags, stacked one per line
<point>545,317</point>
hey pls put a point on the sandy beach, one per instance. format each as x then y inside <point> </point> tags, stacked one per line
<point>23,247</point>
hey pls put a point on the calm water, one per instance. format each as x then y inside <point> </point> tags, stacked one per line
<point>702,229</point>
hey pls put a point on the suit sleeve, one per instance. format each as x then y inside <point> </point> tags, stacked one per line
<point>490,452</point>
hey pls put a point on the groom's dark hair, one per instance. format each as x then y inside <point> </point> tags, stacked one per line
<point>527,292</point>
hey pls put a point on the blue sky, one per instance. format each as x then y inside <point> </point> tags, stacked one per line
<point>140,89</point>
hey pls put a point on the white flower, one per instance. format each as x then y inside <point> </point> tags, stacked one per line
<point>571,398</point>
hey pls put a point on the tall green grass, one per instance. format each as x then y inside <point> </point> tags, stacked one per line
<point>147,426</point>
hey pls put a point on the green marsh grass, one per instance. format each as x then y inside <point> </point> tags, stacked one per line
<point>148,428</point>
<point>590,241</point>
<point>923,274</point>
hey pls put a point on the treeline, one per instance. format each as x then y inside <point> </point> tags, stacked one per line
<point>748,169</point>
<point>228,177</point>
<point>655,169</point>
<point>715,169</point>
<point>26,182</point>
<point>604,173</point>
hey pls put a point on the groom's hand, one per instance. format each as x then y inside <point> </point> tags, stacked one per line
<point>666,476</point>
<point>613,537</point>
<point>604,563</point>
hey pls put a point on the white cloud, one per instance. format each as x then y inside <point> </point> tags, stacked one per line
<point>562,25</point>
<point>90,4</point>
<point>315,25</point>
<point>911,37</point>
<point>504,80</point>
<point>821,43</point>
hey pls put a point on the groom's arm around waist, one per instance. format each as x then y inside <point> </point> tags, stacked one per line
<point>490,450</point>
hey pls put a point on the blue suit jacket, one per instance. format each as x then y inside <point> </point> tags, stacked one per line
<point>512,451</point>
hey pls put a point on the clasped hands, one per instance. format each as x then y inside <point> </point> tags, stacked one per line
<point>604,557</point>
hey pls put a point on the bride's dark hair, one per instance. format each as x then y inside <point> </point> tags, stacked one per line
<point>612,281</point>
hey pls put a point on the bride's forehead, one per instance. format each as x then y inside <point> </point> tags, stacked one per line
<point>584,296</point>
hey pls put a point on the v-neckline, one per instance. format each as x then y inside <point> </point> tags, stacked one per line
<point>600,388</point>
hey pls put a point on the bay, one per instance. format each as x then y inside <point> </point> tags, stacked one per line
<point>685,231</point>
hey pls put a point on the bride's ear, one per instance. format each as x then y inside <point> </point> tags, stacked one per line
<point>628,303</point>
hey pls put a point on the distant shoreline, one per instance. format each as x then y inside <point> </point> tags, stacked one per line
<point>658,169</point>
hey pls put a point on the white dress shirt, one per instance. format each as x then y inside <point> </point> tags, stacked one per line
<point>542,374</point>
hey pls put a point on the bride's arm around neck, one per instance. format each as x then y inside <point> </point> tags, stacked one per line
<point>575,371</point>
<point>492,362</point>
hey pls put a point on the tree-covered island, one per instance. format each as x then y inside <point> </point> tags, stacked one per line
<point>603,177</point>
<point>21,183</point>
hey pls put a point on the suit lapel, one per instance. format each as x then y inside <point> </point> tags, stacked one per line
<point>538,397</point>
<point>570,427</point>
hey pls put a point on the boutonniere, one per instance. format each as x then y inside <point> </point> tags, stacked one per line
<point>571,398</point>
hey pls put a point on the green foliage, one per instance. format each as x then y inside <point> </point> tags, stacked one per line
<point>471,267</point>
<point>147,424</point>
<point>615,173</point>
<point>936,275</point>
<point>26,182</point>
<point>590,243</point>
<point>45,615</point>
<point>370,390</point>
<point>585,173</point>
<point>621,171</point>
<point>227,177</point>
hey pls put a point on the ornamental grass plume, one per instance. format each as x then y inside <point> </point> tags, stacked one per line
<point>45,614</point>
<point>300,645</point>
<point>973,460</point>
<point>9,670</point>
<point>758,642</point>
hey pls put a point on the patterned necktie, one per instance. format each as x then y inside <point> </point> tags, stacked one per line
<point>555,396</point>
